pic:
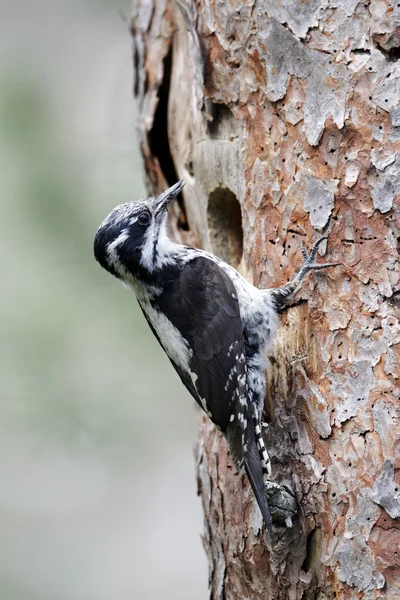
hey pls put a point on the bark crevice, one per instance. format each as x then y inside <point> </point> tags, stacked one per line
<point>159,138</point>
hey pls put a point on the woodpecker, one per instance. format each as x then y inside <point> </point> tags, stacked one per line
<point>212,323</point>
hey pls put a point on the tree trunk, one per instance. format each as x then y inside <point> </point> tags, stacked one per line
<point>284,120</point>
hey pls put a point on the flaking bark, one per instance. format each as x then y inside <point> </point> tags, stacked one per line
<point>284,120</point>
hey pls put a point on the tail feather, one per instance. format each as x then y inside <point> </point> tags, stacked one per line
<point>247,449</point>
<point>265,460</point>
<point>254,472</point>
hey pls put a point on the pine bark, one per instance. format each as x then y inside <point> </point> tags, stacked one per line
<point>284,120</point>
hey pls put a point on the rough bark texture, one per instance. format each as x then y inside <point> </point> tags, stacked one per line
<point>284,120</point>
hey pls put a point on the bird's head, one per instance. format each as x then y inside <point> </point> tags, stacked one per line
<point>133,237</point>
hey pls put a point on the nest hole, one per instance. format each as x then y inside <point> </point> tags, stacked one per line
<point>225,225</point>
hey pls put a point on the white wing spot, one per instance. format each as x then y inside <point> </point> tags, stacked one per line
<point>241,380</point>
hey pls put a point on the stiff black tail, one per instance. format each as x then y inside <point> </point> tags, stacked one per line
<point>254,472</point>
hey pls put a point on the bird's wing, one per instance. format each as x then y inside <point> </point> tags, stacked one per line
<point>202,304</point>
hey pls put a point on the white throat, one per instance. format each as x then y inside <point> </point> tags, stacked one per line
<point>158,249</point>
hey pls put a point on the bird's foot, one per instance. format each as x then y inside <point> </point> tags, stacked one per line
<point>309,264</point>
<point>283,294</point>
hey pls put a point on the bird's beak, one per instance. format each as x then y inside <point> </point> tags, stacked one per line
<point>164,200</point>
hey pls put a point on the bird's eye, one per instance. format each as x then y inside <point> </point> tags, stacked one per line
<point>144,218</point>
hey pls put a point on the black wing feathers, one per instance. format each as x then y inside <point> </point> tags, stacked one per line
<point>202,304</point>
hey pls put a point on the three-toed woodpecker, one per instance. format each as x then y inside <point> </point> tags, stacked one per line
<point>212,323</point>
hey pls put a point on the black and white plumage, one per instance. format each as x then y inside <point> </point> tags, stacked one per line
<point>212,323</point>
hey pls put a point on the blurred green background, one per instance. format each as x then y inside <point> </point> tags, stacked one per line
<point>97,483</point>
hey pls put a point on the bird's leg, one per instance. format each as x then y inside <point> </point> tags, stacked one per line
<point>282,294</point>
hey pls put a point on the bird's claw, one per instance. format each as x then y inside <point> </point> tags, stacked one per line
<point>309,264</point>
<point>313,251</point>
